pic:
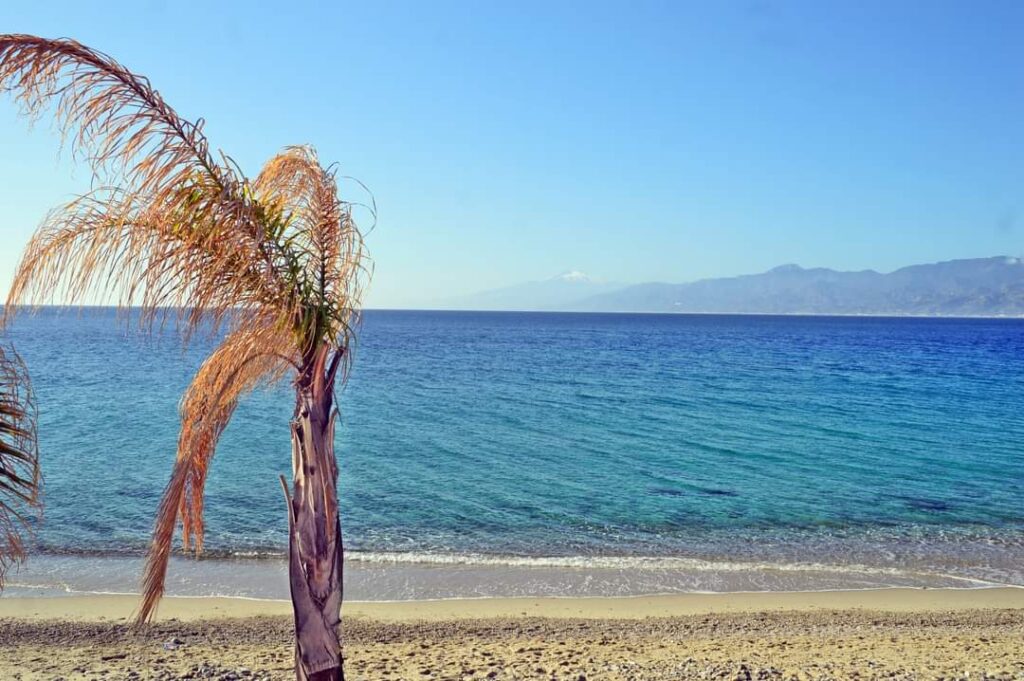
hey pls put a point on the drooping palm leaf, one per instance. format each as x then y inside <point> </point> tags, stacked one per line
<point>244,360</point>
<point>19,459</point>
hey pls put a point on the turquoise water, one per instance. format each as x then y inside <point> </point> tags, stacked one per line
<point>742,452</point>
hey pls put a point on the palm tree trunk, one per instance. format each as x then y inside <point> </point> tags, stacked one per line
<point>315,547</point>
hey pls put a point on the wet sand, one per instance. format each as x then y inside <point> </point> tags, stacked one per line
<point>896,633</point>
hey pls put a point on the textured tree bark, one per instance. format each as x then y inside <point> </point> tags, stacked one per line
<point>315,547</point>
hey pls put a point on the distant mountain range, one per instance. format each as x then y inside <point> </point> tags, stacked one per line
<point>976,287</point>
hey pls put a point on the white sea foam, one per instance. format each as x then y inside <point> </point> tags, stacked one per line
<point>662,563</point>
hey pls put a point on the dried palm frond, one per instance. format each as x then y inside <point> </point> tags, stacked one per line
<point>19,460</point>
<point>185,259</point>
<point>245,360</point>
<point>163,175</point>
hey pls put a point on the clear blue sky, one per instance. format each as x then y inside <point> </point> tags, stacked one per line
<point>670,141</point>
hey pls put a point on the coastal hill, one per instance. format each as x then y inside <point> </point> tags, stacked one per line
<point>972,287</point>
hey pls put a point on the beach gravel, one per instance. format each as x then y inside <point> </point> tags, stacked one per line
<point>976,645</point>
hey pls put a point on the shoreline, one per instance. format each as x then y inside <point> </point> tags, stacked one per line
<point>113,608</point>
<point>384,577</point>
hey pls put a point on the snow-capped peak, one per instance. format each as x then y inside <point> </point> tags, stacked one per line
<point>574,276</point>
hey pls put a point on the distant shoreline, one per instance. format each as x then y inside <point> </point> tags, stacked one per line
<point>837,315</point>
<point>988,286</point>
<point>843,315</point>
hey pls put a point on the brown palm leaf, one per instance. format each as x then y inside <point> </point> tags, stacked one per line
<point>245,360</point>
<point>19,460</point>
<point>166,211</point>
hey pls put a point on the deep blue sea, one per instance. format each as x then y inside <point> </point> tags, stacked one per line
<point>629,453</point>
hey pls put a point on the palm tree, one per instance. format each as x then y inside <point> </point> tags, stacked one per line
<point>176,233</point>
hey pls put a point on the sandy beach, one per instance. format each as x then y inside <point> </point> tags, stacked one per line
<point>890,633</point>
